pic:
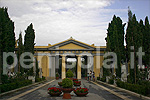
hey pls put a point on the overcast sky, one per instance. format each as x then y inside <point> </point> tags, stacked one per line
<point>85,20</point>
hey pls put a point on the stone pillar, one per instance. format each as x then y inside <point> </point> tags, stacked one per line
<point>52,67</point>
<point>79,68</point>
<point>63,69</point>
<point>97,66</point>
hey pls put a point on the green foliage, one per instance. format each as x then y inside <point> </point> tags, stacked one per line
<point>60,83</point>
<point>67,83</point>
<point>7,36</point>
<point>57,75</point>
<point>115,41</point>
<point>103,79</point>
<point>137,35</point>
<point>18,77</point>
<point>69,74</point>
<point>146,42</point>
<point>37,69</point>
<point>98,78</point>
<point>29,39</point>
<point>85,75</point>
<point>106,72</point>
<point>14,85</point>
<point>38,79</point>
<point>19,52</point>
<point>4,79</point>
<point>141,89</point>
<point>111,81</point>
<point>43,78</point>
<point>29,45</point>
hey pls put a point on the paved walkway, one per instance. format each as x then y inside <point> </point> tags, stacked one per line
<point>96,92</point>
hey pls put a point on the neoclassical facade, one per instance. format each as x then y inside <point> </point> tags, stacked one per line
<point>53,58</point>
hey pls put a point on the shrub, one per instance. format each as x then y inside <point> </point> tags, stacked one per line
<point>69,74</point>
<point>98,78</point>
<point>60,83</point>
<point>43,78</point>
<point>4,79</point>
<point>103,79</point>
<point>141,89</point>
<point>38,79</point>
<point>67,83</point>
<point>15,85</point>
<point>111,81</point>
<point>57,75</point>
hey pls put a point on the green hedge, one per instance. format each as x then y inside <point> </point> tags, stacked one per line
<point>103,79</point>
<point>15,85</point>
<point>38,79</point>
<point>141,89</point>
<point>111,81</point>
<point>43,78</point>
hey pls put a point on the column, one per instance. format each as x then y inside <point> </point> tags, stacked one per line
<point>79,67</point>
<point>97,65</point>
<point>52,67</point>
<point>63,69</point>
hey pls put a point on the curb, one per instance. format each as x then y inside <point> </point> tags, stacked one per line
<point>15,90</point>
<point>130,92</point>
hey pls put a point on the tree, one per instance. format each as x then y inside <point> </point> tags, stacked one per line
<point>7,37</point>
<point>134,37</point>
<point>146,43</point>
<point>37,69</point>
<point>29,45</point>
<point>115,41</point>
<point>29,39</point>
<point>19,52</point>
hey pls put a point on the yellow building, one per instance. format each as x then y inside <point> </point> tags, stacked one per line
<point>49,58</point>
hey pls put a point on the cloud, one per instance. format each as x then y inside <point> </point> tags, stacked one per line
<point>58,20</point>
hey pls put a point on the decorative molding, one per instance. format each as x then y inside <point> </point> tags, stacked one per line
<point>68,54</point>
<point>68,42</point>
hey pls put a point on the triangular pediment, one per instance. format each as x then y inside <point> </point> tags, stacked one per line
<point>71,44</point>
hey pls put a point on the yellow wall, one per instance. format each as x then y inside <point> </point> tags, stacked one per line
<point>98,61</point>
<point>71,46</point>
<point>44,65</point>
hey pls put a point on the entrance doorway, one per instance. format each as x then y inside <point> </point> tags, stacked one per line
<point>84,66</point>
<point>71,63</point>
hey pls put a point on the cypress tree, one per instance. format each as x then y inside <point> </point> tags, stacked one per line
<point>19,52</point>
<point>134,38</point>
<point>7,37</point>
<point>29,45</point>
<point>146,42</point>
<point>29,39</point>
<point>115,41</point>
<point>37,69</point>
